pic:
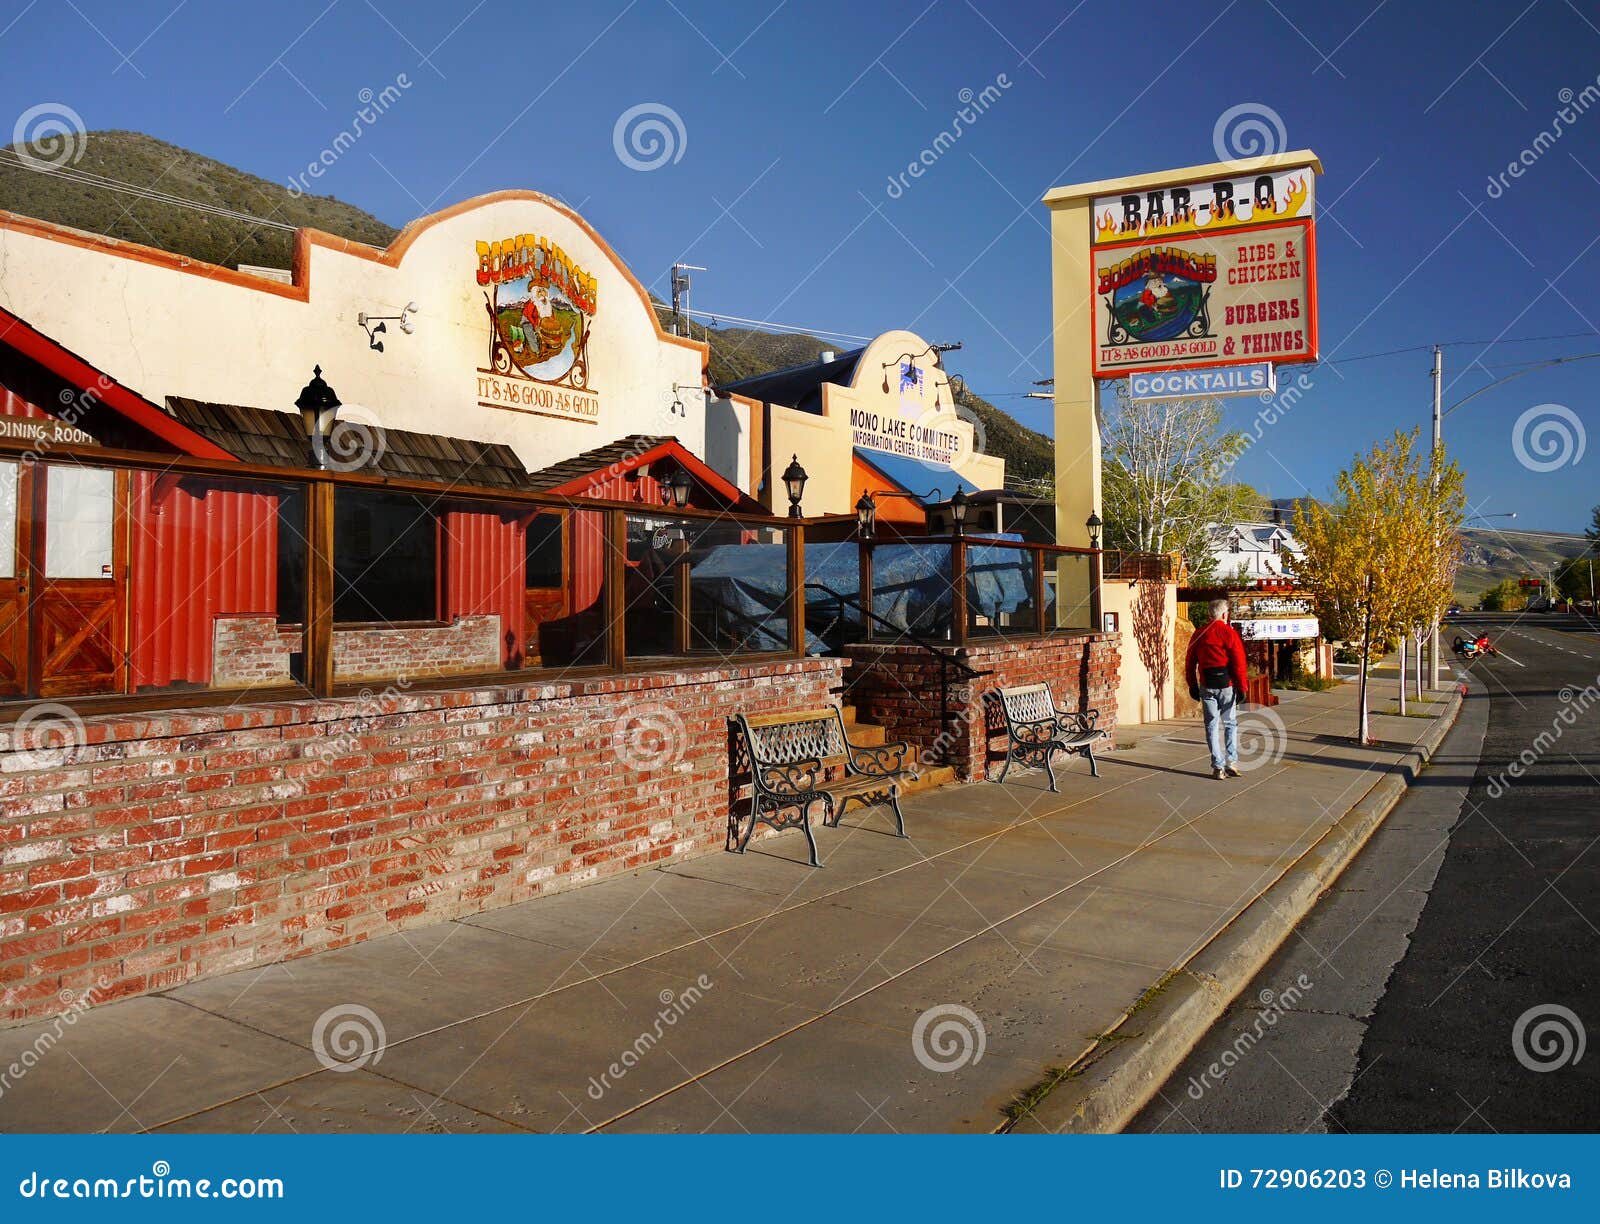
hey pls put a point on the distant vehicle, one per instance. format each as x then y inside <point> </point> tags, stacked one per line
<point>1586,605</point>
<point>1453,611</point>
<point>1541,604</point>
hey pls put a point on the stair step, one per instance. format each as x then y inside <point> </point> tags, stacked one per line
<point>931,777</point>
<point>865,734</point>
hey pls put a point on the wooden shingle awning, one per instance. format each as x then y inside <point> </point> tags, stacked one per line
<point>260,435</point>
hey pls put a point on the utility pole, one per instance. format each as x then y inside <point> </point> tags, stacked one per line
<point>1438,424</point>
<point>680,296</point>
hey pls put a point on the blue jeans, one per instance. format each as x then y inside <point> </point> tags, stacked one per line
<point>1222,727</point>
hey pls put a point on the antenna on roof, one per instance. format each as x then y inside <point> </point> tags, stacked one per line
<point>680,296</point>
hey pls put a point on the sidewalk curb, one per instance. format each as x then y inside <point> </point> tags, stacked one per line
<point>1104,1088</point>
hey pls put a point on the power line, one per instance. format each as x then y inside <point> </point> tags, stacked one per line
<point>716,316</point>
<point>15,161</point>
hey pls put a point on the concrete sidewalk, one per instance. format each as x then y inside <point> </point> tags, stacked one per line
<point>1023,956</point>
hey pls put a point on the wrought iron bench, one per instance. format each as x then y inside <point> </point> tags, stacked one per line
<point>791,756</point>
<point>1037,729</point>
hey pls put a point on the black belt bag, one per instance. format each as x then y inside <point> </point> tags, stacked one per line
<point>1215,677</point>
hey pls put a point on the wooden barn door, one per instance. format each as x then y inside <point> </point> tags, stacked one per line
<point>78,625</point>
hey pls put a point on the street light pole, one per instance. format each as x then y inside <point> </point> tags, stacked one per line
<point>1438,425</point>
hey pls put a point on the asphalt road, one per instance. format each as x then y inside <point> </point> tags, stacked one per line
<point>1472,914</point>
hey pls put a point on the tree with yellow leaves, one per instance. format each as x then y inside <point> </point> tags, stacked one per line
<point>1380,558</point>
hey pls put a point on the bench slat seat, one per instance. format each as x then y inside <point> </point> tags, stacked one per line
<point>1037,728</point>
<point>791,756</point>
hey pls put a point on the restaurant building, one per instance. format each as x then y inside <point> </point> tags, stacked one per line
<point>411,582</point>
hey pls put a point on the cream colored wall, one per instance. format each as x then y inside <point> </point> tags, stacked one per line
<point>164,331</point>
<point>728,439</point>
<point>829,439</point>
<point>822,444</point>
<point>1137,700</point>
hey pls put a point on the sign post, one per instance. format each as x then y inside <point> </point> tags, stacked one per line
<point>1201,267</point>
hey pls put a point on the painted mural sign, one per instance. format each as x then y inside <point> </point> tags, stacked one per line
<point>541,307</point>
<point>1237,295</point>
<point>907,428</point>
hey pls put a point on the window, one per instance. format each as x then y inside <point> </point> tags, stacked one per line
<point>77,522</point>
<point>385,557</point>
<point>1233,544</point>
<point>292,555</point>
<point>8,520</point>
<point>1275,544</point>
<point>546,551</point>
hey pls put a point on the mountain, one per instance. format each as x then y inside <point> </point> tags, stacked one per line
<point>144,161</point>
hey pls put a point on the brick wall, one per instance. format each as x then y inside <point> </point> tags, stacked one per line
<point>253,651</point>
<point>250,651</point>
<point>466,644</point>
<point>898,687</point>
<point>164,847</point>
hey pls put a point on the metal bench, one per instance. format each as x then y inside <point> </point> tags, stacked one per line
<point>791,756</point>
<point>1037,729</point>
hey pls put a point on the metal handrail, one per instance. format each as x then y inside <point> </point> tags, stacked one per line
<point>916,639</point>
<point>947,660</point>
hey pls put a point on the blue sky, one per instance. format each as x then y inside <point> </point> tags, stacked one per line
<point>794,118</point>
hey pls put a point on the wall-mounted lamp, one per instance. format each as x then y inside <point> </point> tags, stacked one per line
<point>938,351</point>
<point>794,483</point>
<point>1094,524</point>
<point>376,325</point>
<point>319,406</point>
<point>866,516</point>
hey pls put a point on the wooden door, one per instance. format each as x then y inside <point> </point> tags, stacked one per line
<point>76,583</point>
<point>16,501</point>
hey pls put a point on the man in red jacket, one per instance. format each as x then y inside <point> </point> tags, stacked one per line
<point>1215,671</point>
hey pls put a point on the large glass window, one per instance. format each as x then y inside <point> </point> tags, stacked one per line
<point>1002,594</point>
<point>385,557</point>
<point>700,588</point>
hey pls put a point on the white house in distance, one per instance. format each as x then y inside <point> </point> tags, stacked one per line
<point>1245,552</point>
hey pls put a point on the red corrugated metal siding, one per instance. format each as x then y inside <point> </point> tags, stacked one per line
<point>587,532</point>
<point>485,555</point>
<point>198,552</point>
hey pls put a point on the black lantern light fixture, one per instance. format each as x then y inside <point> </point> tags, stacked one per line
<point>958,511</point>
<point>678,488</point>
<point>1094,524</point>
<point>319,406</point>
<point>866,516</point>
<point>794,483</point>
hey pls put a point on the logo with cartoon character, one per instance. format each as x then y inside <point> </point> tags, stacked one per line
<point>541,309</point>
<point>1157,294</point>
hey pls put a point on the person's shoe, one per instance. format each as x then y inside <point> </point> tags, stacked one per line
<point>1233,771</point>
<point>1219,774</point>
